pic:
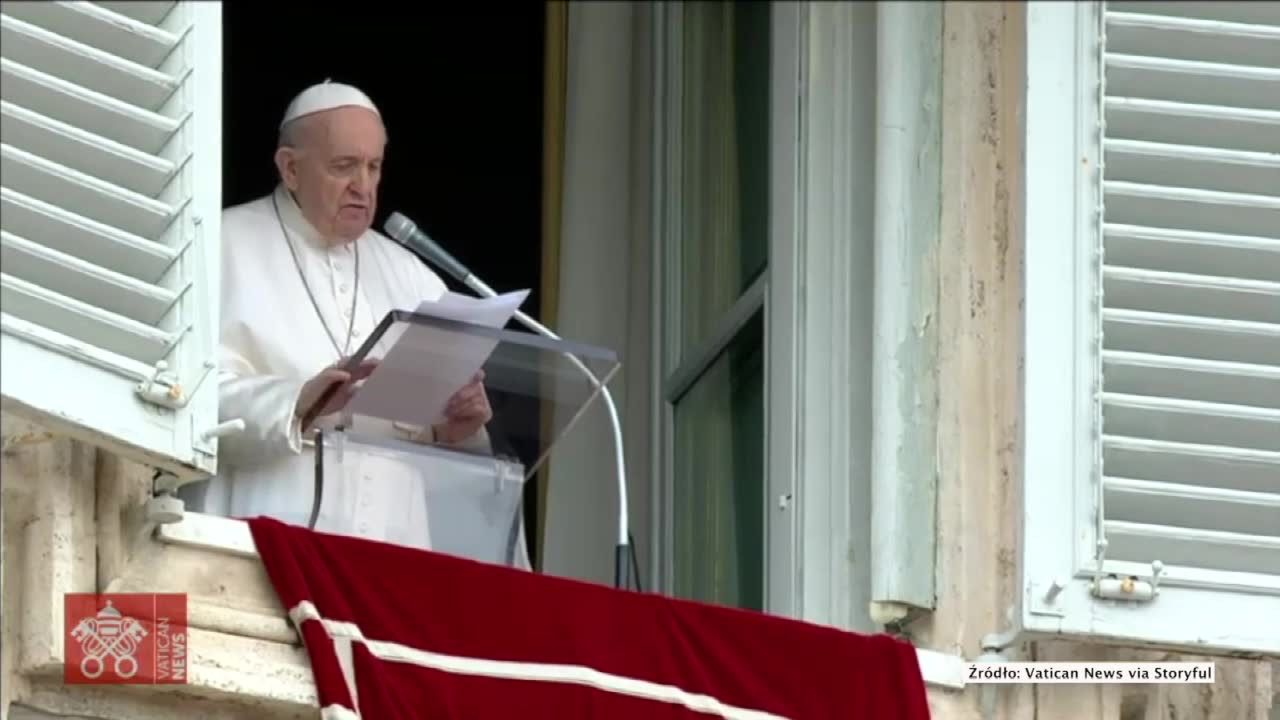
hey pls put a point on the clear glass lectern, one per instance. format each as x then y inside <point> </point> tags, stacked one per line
<point>433,485</point>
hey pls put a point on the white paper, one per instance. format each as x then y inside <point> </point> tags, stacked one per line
<point>424,365</point>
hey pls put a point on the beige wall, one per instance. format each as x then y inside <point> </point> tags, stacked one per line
<point>980,365</point>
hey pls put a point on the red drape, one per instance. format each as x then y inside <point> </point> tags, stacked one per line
<point>442,637</point>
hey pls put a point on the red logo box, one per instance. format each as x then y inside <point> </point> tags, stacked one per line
<point>125,638</point>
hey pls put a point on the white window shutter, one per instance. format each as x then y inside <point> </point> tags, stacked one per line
<point>1153,324</point>
<point>110,196</point>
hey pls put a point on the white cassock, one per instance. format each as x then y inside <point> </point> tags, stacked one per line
<point>272,341</point>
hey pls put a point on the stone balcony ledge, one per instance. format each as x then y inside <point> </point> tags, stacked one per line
<point>75,521</point>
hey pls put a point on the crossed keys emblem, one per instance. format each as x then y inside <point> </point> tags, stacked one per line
<point>109,634</point>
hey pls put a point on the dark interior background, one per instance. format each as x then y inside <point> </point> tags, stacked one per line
<point>460,90</point>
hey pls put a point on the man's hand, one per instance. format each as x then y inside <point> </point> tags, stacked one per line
<point>468,410</point>
<point>314,388</point>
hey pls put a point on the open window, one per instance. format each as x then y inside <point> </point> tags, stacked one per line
<point>111,194</point>
<point>1153,324</point>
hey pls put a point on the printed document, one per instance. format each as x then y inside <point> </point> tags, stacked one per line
<point>425,365</point>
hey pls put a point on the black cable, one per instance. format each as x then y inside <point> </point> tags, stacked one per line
<point>318,495</point>
<point>635,564</point>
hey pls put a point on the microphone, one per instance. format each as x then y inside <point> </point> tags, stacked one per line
<point>405,232</point>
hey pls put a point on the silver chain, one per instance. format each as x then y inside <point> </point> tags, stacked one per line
<point>355,292</point>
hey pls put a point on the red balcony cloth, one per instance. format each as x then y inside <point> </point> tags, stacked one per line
<point>441,637</point>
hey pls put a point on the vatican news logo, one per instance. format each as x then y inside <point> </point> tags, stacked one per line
<point>125,638</point>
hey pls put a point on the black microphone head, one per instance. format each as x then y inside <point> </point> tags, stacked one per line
<point>400,227</point>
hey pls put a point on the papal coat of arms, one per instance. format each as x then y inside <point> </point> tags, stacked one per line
<point>109,635</point>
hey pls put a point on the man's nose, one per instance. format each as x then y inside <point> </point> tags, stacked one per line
<point>361,182</point>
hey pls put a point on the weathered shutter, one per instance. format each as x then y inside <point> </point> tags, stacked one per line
<point>1191,288</point>
<point>110,186</point>
<point>1173,310</point>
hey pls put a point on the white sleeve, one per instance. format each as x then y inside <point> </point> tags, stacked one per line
<point>267,404</point>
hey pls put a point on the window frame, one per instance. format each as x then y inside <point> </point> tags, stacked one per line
<point>1061,462</point>
<point>817,455</point>
<point>671,378</point>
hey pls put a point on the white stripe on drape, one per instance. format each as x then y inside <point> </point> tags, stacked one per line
<point>337,712</point>
<point>533,672</point>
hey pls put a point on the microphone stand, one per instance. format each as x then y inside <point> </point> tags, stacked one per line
<point>407,234</point>
<point>622,551</point>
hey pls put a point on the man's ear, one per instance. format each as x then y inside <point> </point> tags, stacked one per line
<point>287,165</point>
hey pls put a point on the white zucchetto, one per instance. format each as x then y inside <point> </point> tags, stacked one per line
<point>326,96</point>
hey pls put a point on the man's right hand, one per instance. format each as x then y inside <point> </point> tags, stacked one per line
<point>314,388</point>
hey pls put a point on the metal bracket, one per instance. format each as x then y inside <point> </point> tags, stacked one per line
<point>896,618</point>
<point>203,442</point>
<point>1042,599</point>
<point>997,643</point>
<point>1114,587</point>
<point>165,389</point>
<point>993,651</point>
<point>505,473</point>
<point>229,427</point>
<point>164,507</point>
<point>1111,586</point>
<point>163,481</point>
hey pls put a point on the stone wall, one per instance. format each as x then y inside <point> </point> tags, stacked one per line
<point>74,521</point>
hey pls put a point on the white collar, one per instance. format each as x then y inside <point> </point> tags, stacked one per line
<point>298,225</point>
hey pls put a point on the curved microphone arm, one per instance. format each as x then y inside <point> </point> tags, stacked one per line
<point>623,547</point>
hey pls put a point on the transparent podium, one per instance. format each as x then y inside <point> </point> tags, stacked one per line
<point>451,487</point>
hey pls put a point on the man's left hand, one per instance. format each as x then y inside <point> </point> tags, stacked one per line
<point>468,410</point>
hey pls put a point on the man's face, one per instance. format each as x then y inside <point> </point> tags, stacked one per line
<point>335,170</point>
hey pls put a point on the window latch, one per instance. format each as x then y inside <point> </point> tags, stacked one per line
<point>1112,586</point>
<point>165,389</point>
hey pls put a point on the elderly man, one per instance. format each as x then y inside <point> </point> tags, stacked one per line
<point>305,280</point>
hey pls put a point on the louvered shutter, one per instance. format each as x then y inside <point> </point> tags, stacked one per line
<point>110,184</point>
<point>1154,464</point>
